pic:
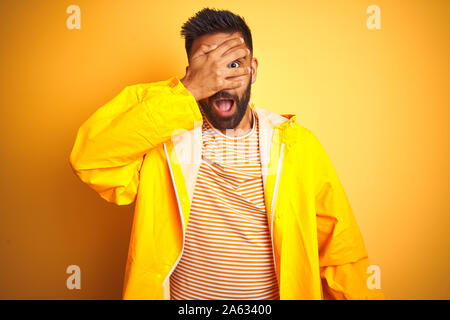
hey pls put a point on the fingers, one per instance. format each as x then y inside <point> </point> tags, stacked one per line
<point>227,45</point>
<point>235,54</point>
<point>232,84</point>
<point>218,50</point>
<point>202,50</point>
<point>209,67</point>
<point>236,72</point>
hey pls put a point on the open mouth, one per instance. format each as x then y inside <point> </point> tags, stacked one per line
<point>224,106</point>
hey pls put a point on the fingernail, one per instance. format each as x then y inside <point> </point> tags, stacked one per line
<point>249,69</point>
<point>242,39</point>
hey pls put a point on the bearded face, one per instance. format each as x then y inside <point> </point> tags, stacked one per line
<point>225,110</point>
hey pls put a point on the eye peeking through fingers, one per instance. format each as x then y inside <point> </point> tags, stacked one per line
<point>235,63</point>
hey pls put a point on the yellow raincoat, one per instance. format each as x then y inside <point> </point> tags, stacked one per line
<point>145,145</point>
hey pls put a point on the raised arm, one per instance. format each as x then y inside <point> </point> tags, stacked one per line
<point>110,145</point>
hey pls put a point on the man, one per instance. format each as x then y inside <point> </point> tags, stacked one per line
<point>232,201</point>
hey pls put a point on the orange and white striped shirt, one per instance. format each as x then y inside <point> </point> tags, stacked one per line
<point>228,251</point>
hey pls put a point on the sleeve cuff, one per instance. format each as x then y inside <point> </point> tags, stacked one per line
<point>177,87</point>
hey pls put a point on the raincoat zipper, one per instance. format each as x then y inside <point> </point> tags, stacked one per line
<point>274,199</point>
<point>180,210</point>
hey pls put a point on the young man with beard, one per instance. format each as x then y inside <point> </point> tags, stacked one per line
<point>232,201</point>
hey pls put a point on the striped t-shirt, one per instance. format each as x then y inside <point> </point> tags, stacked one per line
<point>228,251</point>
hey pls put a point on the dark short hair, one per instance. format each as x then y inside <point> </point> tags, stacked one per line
<point>209,21</point>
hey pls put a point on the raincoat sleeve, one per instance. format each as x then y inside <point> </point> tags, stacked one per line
<point>343,258</point>
<point>111,144</point>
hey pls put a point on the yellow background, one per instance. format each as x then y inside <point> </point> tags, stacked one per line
<point>377,99</point>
